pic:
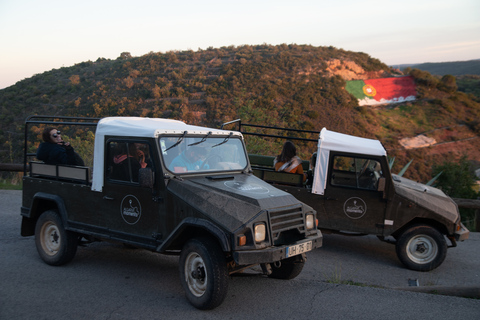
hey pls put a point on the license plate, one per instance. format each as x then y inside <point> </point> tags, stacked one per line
<point>299,248</point>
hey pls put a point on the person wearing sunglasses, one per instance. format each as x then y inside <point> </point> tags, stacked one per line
<point>53,150</point>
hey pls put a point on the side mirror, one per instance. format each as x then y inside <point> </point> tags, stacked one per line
<point>145,177</point>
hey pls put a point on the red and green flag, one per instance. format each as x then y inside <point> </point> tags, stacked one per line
<point>382,91</point>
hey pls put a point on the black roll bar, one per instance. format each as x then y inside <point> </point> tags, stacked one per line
<point>244,132</point>
<point>63,120</point>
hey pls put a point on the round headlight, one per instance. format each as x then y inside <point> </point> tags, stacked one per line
<point>260,232</point>
<point>310,221</point>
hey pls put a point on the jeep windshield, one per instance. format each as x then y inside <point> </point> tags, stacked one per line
<point>203,153</point>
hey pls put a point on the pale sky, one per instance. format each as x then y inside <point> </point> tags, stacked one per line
<point>41,35</point>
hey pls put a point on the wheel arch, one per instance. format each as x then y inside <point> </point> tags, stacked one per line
<point>42,202</point>
<point>192,228</point>
<point>418,221</point>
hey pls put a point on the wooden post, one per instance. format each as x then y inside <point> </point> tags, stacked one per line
<point>477,220</point>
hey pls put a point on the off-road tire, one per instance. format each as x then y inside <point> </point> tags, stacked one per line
<point>55,245</point>
<point>421,248</point>
<point>203,273</point>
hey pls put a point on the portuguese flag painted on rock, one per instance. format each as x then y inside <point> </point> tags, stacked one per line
<point>384,90</point>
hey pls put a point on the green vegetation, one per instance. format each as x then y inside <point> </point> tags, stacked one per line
<point>457,181</point>
<point>470,84</point>
<point>11,181</point>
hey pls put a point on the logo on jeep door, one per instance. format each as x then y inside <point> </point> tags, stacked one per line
<point>355,208</point>
<point>130,209</point>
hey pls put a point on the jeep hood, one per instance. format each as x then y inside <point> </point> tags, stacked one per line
<point>430,198</point>
<point>232,200</point>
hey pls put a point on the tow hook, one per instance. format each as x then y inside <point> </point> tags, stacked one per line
<point>453,241</point>
<point>266,268</point>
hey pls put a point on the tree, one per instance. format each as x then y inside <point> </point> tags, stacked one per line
<point>448,83</point>
<point>457,178</point>
<point>125,56</point>
<point>424,78</point>
<point>74,79</point>
<point>157,92</point>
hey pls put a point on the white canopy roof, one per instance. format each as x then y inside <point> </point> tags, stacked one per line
<point>146,127</point>
<point>330,140</point>
<point>137,127</point>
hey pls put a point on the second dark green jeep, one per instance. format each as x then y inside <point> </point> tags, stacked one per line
<point>354,193</point>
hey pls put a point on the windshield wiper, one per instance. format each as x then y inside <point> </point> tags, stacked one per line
<point>224,141</point>
<point>178,141</point>
<point>203,140</point>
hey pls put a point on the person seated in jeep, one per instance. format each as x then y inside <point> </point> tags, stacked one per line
<point>288,161</point>
<point>125,162</point>
<point>53,150</point>
<point>189,160</point>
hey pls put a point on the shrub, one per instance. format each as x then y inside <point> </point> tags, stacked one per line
<point>448,84</point>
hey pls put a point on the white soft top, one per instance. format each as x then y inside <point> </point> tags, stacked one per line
<point>137,127</point>
<point>335,141</point>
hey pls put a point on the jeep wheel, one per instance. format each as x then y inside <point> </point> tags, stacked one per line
<point>421,248</point>
<point>55,245</point>
<point>203,273</point>
<point>288,268</point>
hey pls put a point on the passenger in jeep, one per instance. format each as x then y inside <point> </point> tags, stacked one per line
<point>189,160</point>
<point>126,164</point>
<point>288,161</point>
<point>143,155</point>
<point>53,150</point>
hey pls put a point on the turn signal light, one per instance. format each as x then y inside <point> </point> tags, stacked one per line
<point>242,240</point>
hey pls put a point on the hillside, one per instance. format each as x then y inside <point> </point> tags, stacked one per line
<point>455,68</point>
<point>294,86</point>
<point>467,73</point>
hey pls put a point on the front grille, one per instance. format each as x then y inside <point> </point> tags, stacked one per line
<point>286,219</point>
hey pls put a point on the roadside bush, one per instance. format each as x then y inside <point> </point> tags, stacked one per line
<point>457,181</point>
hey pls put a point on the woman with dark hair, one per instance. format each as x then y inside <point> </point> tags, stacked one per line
<point>288,161</point>
<point>53,150</point>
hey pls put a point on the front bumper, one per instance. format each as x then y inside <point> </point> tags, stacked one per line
<point>272,254</point>
<point>462,234</point>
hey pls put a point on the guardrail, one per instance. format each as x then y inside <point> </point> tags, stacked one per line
<point>462,203</point>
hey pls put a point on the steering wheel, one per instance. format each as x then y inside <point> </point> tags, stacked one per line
<point>209,158</point>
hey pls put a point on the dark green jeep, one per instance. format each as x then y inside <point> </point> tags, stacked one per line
<point>353,191</point>
<point>172,188</point>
